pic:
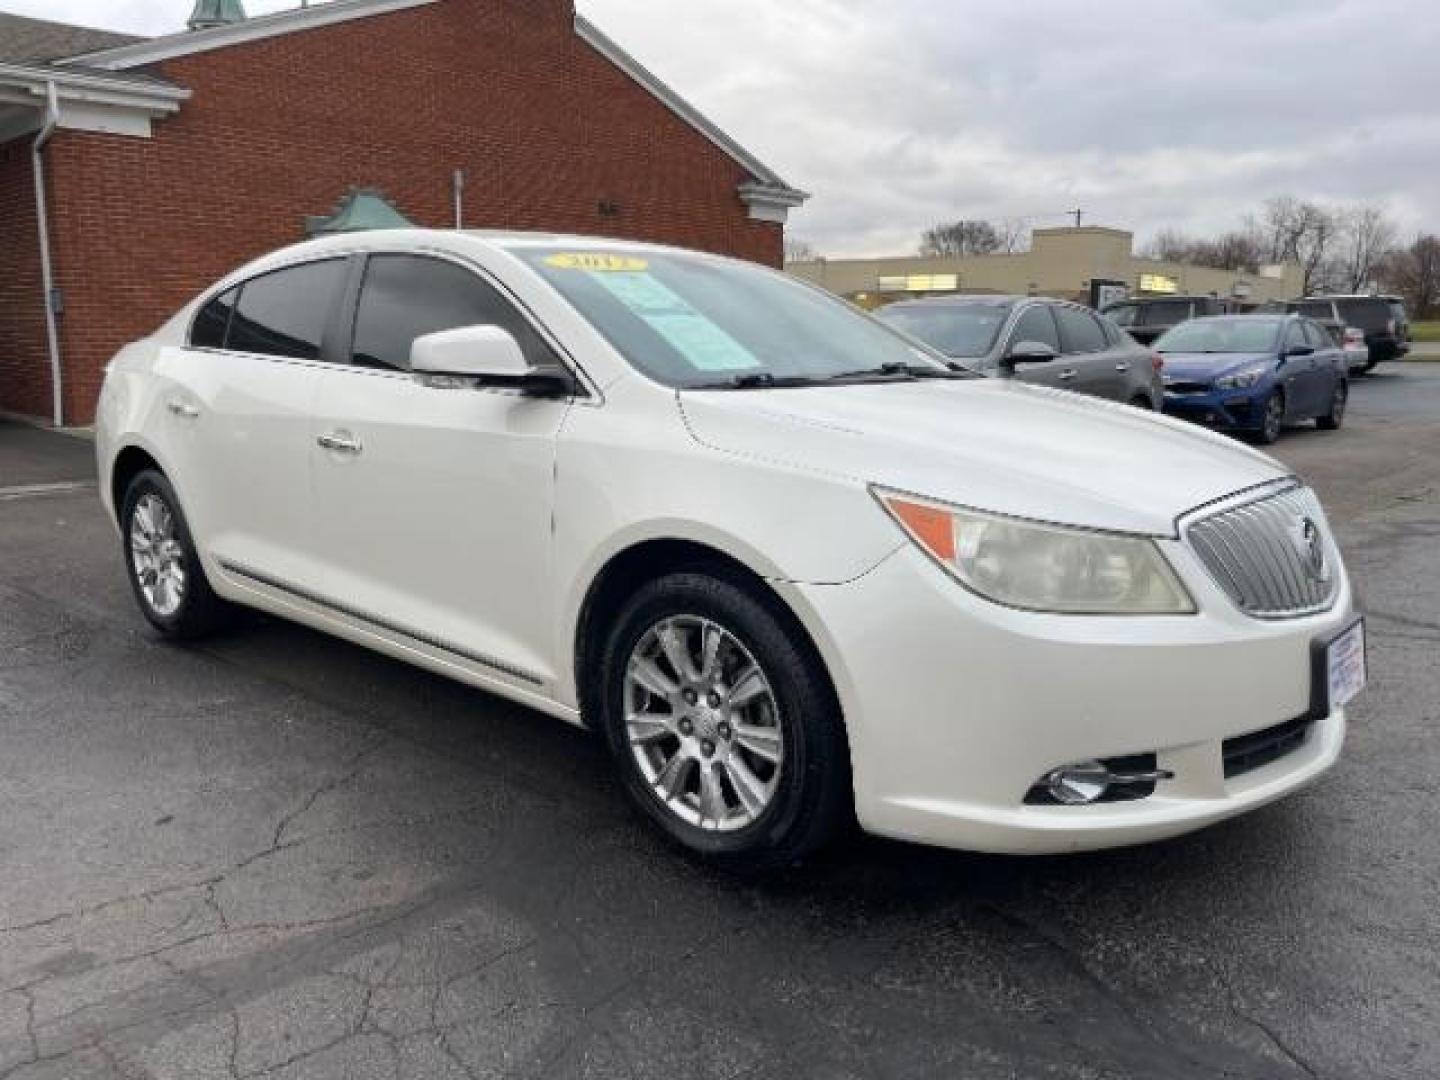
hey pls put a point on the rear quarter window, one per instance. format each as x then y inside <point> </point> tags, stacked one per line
<point>212,321</point>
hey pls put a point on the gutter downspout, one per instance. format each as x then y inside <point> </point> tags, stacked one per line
<point>47,270</point>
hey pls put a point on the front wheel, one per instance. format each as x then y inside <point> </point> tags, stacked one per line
<point>163,564</point>
<point>724,728</point>
<point>1336,416</point>
<point>1273,421</point>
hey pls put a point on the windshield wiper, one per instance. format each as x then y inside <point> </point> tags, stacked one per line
<point>895,370</point>
<point>758,380</point>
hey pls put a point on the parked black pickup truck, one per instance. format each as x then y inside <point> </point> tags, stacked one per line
<point>1146,318</point>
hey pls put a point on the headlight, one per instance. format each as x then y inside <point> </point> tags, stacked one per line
<point>1040,567</point>
<point>1241,379</point>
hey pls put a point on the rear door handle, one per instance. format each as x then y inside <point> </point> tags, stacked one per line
<point>1068,374</point>
<point>182,409</point>
<point>339,441</point>
<point>1122,366</point>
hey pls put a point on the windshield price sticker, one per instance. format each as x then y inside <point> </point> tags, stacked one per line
<point>597,262</point>
<point>699,340</point>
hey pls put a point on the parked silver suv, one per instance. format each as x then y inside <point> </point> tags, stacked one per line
<point>1035,339</point>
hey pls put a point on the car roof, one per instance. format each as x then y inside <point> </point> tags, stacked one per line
<point>1384,298</point>
<point>1162,299</point>
<point>1248,316</point>
<point>451,240</point>
<point>971,299</point>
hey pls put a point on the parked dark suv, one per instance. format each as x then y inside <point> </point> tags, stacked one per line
<point>1035,339</point>
<point>1146,318</point>
<point>1382,318</point>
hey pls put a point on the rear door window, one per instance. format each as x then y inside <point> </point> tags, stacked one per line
<point>1079,331</point>
<point>1123,314</point>
<point>1295,335</point>
<point>408,296</point>
<point>285,313</point>
<point>1319,336</point>
<point>1036,324</point>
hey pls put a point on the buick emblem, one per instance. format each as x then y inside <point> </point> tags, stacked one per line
<point>1310,546</point>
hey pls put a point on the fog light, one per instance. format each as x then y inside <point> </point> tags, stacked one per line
<point>1075,785</point>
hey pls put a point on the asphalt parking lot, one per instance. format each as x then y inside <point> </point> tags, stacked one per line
<point>281,855</point>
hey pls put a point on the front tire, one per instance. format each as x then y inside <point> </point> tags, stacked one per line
<point>1332,420</point>
<point>163,564</point>
<point>722,724</point>
<point>1273,421</point>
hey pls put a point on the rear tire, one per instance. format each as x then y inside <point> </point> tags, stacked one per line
<point>163,564</point>
<point>722,723</point>
<point>1140,401</point>
<point>1332,420</point>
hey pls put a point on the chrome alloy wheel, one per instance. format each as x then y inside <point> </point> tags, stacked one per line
<point>703,723</point>
<point>156,555</point>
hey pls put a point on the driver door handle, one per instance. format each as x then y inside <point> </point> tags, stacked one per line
<point>1068,374</point>
<point>1122,366</point>
<point>339,441</point>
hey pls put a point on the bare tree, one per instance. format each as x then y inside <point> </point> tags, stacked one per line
<point>1236,250</point>
<point>1416,273</point>
<point>1170,245</point>
<point>798,249</point>
<point>960,238</point>
<point>1366,237</point>
<point>1013,234</point>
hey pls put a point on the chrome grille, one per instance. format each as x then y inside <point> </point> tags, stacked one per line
<point>1272,555</point>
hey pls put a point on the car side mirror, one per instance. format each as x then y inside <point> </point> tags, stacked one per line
<point>482,356</point>
<point>1028,352</point>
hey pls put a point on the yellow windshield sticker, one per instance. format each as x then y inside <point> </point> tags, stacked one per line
<point>597,262</point>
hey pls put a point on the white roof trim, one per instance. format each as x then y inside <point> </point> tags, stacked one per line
<point>607,48</point>
<point>188,42</point>
<point>102,89</point>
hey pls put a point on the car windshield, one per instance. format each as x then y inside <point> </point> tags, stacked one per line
<point>1220,336</point>
<point>692,321</point>
<point>961,330</point>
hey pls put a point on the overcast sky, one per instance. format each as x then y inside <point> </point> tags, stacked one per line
<point>899,114</point>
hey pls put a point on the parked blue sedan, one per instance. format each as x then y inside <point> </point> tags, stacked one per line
<point>1253,374</point>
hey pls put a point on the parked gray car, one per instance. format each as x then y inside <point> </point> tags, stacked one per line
<point>1035,339</point>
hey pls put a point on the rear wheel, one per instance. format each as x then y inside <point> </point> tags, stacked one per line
<point>724,728</point>
<point>1273,420</point>
<point>163,564</point>
<point>1140,401</point>
<point>1336,416</point>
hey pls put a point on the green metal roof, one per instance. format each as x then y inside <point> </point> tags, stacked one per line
<point>209,13</point>
<point>361,209</point>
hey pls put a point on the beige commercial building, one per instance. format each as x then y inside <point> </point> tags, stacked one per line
<point>1060,262</point>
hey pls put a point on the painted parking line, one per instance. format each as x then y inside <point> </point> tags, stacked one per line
<point>30,491</point>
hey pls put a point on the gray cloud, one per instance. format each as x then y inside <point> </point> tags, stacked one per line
<point>899,114</point>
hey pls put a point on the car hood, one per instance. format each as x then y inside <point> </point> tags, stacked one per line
<point>995,445</point>
<point>1202,367</point>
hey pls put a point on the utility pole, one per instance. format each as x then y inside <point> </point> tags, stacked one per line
<point>1079,214</point>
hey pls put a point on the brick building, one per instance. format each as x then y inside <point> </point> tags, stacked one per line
<point>166,162</point>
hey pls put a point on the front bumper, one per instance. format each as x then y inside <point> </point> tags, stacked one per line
<point>1227,409</point>
<point>956,706</point>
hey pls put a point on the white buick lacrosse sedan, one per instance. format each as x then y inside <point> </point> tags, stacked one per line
<point>794,567</point>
